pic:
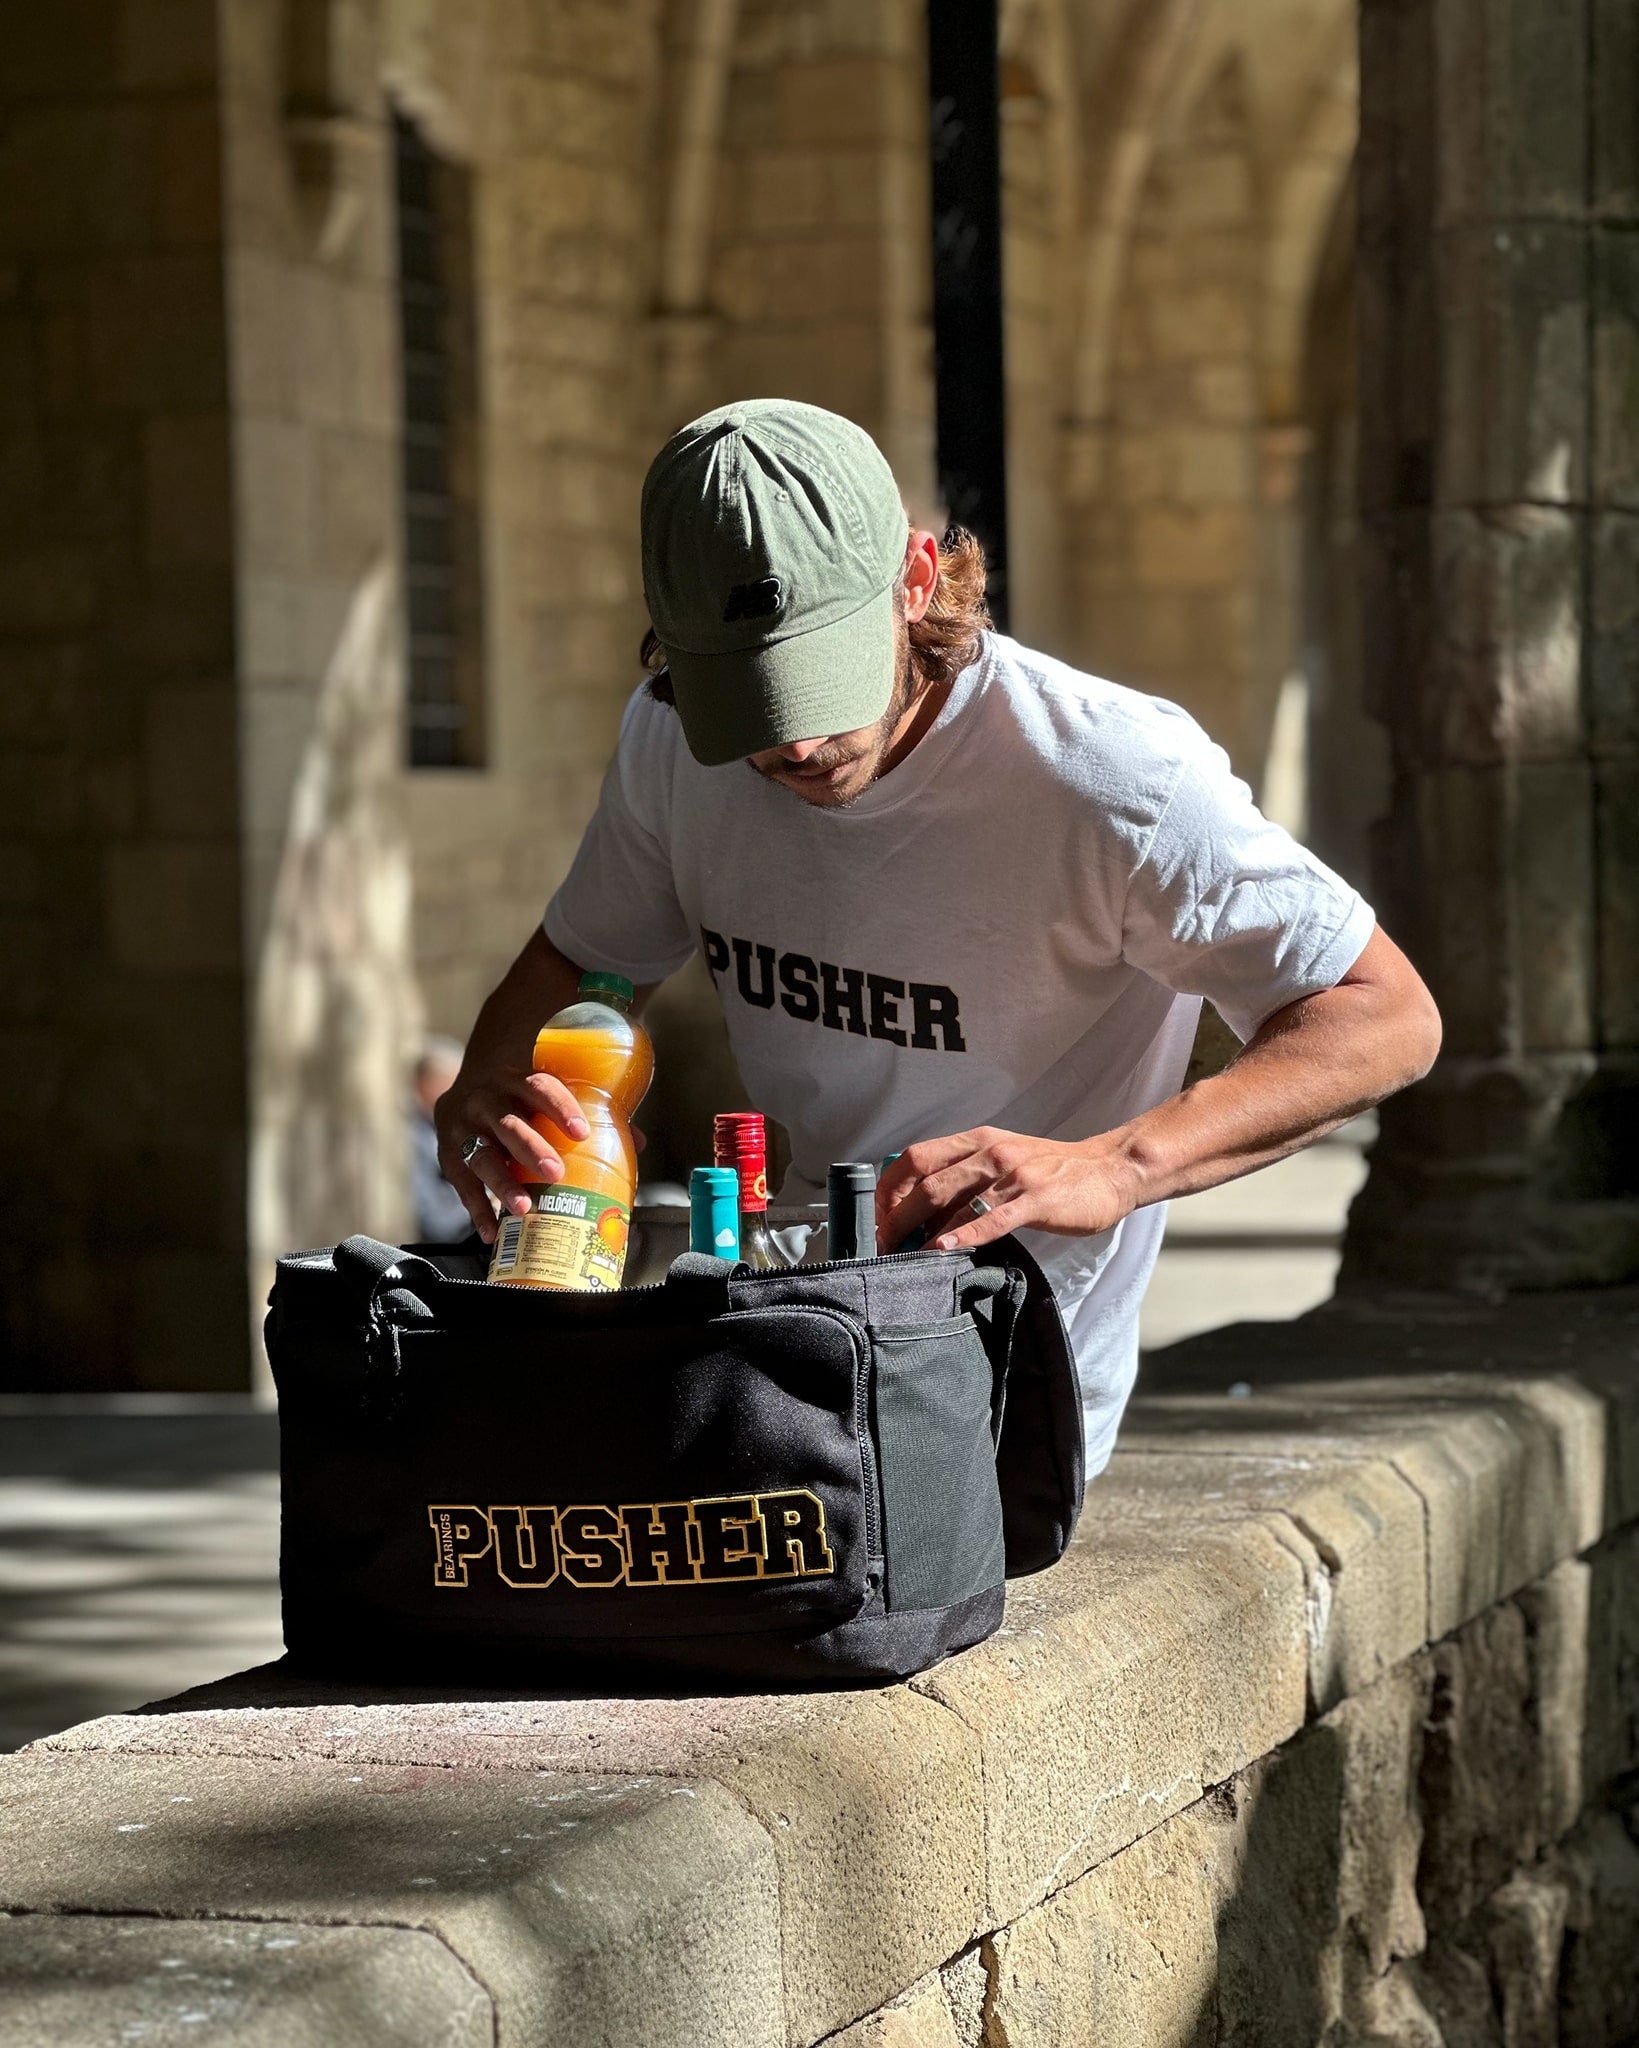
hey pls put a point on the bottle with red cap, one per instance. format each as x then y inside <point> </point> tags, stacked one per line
<point>740,1141</point>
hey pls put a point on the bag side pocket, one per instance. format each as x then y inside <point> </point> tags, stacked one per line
<point>941,1506</point>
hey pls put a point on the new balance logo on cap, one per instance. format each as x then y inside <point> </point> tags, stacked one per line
<point>760,600</point>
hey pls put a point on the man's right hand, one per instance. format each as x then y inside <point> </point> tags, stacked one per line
<point>497,1107</point>
<point>496,1094</point>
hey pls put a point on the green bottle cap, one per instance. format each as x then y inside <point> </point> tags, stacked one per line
<point>615,985</point>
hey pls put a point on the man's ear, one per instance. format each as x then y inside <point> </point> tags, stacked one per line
<point>921,574</point>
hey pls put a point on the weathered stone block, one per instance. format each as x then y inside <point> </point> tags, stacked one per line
<point>1378,1739</point>
<point>356,507</point>
<point>184,1317</point>
<point>1454,822</point>
<point>1390,2012</point>
<point>1615,416</point>
<point>273,489</point>
<point>1511,79</point>
<point>1599,1986</point>
<point>1614,92</point>
<point>191,761</point>
<point>188,501</point>
<point>66,1982</point>
<point>1480,1783</point>
<point>1135,1673</point>
<point>1557,1615</point>
<point>1510,1487</point>
<point>872,1801</point>
<point>1552,871</point>
<point>188,199</point>
<point>41,795</point>
<point>166,619</point>
<point>833,102</point>
<point>1616,785</point>
<point>1504,679</point>
<point>1280,1960</point>
<point>1611,1740</point>
<point>921,2019</point>
<point>156,332</point>
<point>590,1909</point>
<point>174,908</point>
<point>1361,1527</point>
<point>1453,1985</point>
<point>164,45</point>
<point>1179,548</point>
<point>1512,312</point>
<point>1613,654</point>
<point>1524,1929</point>
<point>1126,1957</point>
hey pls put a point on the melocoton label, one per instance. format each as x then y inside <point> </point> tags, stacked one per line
<point>723,1539</point>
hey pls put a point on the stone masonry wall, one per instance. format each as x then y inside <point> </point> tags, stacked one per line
<point>1324,1733</point>
<point>123,1106</point>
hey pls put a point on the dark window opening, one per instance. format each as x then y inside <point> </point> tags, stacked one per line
<point>441,473</point>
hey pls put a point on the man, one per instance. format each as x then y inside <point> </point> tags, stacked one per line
<point>959,901</point>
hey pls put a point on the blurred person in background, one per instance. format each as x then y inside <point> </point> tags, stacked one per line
<point>440,1214</point>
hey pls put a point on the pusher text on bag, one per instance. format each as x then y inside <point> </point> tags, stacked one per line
<point>716,1541</point>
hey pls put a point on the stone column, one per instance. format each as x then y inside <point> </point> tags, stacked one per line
<point>122,1077</point>
<point>1499,280</point>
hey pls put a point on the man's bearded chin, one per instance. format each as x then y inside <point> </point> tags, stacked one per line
<point>878,741</point>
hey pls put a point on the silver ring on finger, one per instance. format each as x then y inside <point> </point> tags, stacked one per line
<point>471,1149</point>
<point>979,1206</point>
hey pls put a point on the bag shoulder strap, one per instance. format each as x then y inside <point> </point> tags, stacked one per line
<point>1039,1458</point>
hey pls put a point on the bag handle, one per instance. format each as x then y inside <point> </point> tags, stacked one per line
<point>699,1284</point>
<point>383,1279</point>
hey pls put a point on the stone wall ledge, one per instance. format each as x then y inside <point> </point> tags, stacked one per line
<point>774,1869</point>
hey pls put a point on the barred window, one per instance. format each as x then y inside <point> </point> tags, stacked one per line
<point>443,562</point>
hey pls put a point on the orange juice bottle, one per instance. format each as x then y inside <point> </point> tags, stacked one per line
<point>575,1235</point>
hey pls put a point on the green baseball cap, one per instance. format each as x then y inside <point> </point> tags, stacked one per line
<point>773,541</point>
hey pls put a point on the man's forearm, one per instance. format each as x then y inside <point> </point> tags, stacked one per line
<point>1310,1067</point>
<point>1308,1070</point>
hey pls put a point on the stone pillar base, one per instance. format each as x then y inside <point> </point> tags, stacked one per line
<point>1495,1176</point>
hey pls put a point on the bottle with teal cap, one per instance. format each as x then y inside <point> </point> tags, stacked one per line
<point>575,1235</point>
<point>714,1212</point>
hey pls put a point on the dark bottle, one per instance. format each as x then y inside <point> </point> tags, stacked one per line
<point>850,1189</point>
<point>714,1211</point>
<point>914,1240</point>
<point>740,1140</point>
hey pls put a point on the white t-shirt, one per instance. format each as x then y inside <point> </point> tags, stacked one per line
<point>1014,926</point>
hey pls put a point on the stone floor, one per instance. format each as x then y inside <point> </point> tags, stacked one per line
<point>138,1535</point>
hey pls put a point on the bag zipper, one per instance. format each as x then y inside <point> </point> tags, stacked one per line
<point>875,1549</point>
<point>860,1338</point>
<point>659,1286</point>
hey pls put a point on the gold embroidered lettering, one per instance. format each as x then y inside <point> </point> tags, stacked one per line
<point>460,1534</point>
<point>657,1544</point>
<point>590,1544</point>
<point>526,1545</point>
<point>794,1535</point>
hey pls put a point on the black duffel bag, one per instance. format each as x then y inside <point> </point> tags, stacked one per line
<point>814,1474</point>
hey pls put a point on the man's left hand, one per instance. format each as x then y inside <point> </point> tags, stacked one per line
<point>1029,1183</point>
